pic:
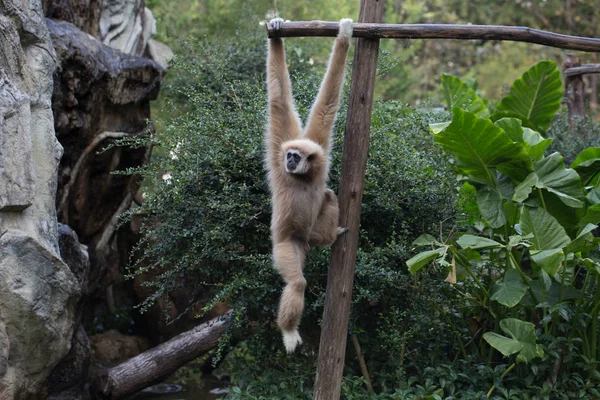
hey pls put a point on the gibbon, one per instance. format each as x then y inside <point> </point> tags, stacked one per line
<point>305,211</point>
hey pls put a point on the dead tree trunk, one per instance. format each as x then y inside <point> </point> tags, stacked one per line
<point>340,279</point>
<point>159,362</point>
<point>574,90</point>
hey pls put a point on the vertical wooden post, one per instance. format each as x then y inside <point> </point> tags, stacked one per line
<point>340,278</point>
<point>574,91</point>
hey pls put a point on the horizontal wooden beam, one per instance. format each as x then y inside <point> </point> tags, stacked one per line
<point>439,31</point>
<point>582,70</point>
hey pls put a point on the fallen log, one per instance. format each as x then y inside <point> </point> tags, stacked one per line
<point>159,362</point>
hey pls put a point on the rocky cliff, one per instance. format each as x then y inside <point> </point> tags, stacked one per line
<point>77,77</point>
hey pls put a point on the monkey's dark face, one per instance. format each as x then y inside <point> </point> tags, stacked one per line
<point>303,157</point>
<point>296,162</point>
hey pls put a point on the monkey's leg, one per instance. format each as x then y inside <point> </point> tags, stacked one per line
<point>289,259</point>
<point>326,229</point>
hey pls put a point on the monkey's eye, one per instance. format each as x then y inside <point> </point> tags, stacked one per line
<point>310,158</point>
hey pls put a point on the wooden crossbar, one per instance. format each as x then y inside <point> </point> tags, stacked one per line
<point>440,31</point>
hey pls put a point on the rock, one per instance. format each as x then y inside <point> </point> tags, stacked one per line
<point>68,377</point>
<point>84,14</point>
<point>97,89</point>
<point>70,374</point>
<point>38,293</point>
<point>159,52</point>
<point>74,254</point>
<point>38,298</point>
<point>127,25</point>
<point>112,347</point>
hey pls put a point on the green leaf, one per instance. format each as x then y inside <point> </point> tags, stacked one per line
<point>587,164</point>
<point>549,260</point>
<point>425,240</point>
<point>512,127</point>
<point>547,232</point>
<point>489,202</point>
<point>510,291</point>
<point>550,174</point>
<point>417,262</point>
<point>478,145</point>
<point>503,344</point>
<point>459,94</point>
<point>537,143</point>
<point>592,216</point>
<point>477,242</point>
<point>563,182</point>
<point>536,95</point>
<point>522,340</point>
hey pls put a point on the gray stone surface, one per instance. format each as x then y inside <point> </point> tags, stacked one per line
<point>37,291</point>
<point>38,295</point>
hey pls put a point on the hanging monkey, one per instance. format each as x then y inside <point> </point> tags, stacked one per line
<point>305,211</point>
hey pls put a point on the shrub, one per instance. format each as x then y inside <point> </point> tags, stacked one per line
<point>206,217</point>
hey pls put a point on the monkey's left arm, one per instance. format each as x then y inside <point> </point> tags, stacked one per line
<point>324,109</point>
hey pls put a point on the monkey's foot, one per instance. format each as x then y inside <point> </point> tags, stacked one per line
<point>345,28</point>
<point>291,339</point>
<point>341,230</point>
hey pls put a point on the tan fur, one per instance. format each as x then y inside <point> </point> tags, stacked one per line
<point>305,212</point>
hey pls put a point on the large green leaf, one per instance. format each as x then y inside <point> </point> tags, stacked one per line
<point>549,260</point>
<point>550,174</point>
<point>536,95</point>
<point>547,232</point>
<point>510,291</point>
<point>417,262</point>
<point>592,216</point>
<point>477,242</point>
<point>459,94</point>
<point>522,340</point>
<point>490,206</point>
<point>587,164</point>
<point>478,145</point>
<point>537,143</point>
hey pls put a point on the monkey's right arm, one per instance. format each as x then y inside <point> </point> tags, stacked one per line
<point>284,123</point>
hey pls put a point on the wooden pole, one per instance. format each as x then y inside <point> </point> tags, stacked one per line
<point>582,70</point>
<point>440,31</point>
<point>332,348</point>
<point>574,90</point>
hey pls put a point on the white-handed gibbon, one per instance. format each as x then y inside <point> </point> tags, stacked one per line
<point>305,211</point>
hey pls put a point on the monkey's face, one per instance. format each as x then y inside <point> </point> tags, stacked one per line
<point>296,162</point>
<point>303,157</point>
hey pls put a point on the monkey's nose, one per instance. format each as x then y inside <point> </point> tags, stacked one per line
<point>291,165</point>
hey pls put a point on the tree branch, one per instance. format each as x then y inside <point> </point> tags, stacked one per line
<point>62,212</point>
<point>439,31</point>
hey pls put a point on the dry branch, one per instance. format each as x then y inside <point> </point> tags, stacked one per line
<point>582,70</point>
<point>159,362</point>
<point>62,205</point>
<point>440,31</point>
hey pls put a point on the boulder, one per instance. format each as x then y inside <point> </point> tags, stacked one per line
<point>38,295</point>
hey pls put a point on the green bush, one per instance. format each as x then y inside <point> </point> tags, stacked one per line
<point>206,218</point>
<point>529,269</point>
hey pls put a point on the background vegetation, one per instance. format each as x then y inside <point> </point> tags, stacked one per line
<point>206,211</point>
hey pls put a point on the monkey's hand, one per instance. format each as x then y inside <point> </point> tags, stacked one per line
<point>276,24</point>
<point>345,28</point>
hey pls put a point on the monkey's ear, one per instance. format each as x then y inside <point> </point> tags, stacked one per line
<point>311,157</point>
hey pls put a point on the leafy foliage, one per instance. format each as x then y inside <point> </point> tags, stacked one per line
<point>531,266</point>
